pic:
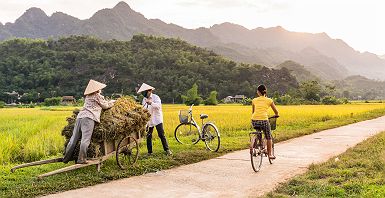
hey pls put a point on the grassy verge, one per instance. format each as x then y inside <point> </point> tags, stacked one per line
<point>234,125</point>
<point>359,172</point>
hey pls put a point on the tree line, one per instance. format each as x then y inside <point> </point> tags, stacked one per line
<point>37,69</point>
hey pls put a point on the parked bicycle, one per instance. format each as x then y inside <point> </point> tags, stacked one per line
<point>259,149</point>
<point>188,132</point>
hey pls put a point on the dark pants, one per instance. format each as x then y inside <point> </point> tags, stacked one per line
<point>160,130</point>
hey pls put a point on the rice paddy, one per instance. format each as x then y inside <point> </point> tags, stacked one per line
<point>31,134</point>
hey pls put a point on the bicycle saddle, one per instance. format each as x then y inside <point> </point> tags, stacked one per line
<point>204,116</point>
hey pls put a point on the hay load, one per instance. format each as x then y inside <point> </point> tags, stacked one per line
<point>124,118</point>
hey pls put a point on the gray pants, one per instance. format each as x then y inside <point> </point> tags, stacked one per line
<point>83,127</point>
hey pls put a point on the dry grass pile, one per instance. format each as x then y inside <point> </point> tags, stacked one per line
<point>123,119</point>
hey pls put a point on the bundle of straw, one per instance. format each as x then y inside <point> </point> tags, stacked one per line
<point>123,119</point>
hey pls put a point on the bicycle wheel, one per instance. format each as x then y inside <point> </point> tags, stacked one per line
<point>257,155</point>
<point>272,151</point>
<point>187,133</point>
<point>127,152</point>
<point>211,137</point>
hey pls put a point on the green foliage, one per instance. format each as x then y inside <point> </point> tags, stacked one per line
<point>50,68</point>
<point>330,100</point>
<point>360,88</point>
<point>287,100</point>
<point>311,90</point>
<point>247,101</point>
<point>2,104</point>
<point>298,70</point>
<point>192,96</point>
<point>80,102</point>
<point>55,101</point>
<point>212,99</point>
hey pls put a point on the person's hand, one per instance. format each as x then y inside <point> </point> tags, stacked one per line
<point>149,101</point>
<point>113,101</point>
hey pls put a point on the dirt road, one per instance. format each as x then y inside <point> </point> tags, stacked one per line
<point>231,175</point>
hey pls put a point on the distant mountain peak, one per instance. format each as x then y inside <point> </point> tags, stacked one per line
<point>63,16</point>
<point>122,6</point>
<point>59,14</point>
<point>34,12</point>
<point>228,25</point>
<point>277,28</point>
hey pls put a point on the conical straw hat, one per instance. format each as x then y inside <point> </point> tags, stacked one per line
<point>145,87</point>
<point>93,86</point>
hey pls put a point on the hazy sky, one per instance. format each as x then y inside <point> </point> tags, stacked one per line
<point>360,23</point>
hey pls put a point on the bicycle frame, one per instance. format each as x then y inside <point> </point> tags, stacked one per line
<point>207,132</point>
<point>200,128</point>
<point>258,136</point>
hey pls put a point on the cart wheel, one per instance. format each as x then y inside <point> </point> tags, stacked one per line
<point>127,152</point>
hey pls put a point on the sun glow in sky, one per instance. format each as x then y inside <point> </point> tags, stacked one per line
<point>360,23</point>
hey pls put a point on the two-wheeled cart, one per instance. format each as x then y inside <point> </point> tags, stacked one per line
<point>125,149</point>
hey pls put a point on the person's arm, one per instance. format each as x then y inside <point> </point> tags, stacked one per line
<point>252,108</point>
<point>156,103</point>
<point>104,103</point>
<point>274,108</point>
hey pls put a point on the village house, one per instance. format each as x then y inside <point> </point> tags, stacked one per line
<point>234,99</point>
<point>68,100</point>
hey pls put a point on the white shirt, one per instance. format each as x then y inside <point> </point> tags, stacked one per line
<point>155,110</point>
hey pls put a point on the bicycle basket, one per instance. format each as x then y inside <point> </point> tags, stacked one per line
<point>184,116</point>
<point>273,123</point>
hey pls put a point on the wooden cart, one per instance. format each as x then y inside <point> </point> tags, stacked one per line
<point>126,151</point>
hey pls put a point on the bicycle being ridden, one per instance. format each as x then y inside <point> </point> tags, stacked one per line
<point>258,147</point>
<point>189,132</point>
<point>260,122</point>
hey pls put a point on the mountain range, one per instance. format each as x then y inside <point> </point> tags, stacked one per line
<point>327,58</point>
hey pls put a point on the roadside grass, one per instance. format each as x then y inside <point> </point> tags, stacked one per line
<point>359,172</point>
<point>232,120</point>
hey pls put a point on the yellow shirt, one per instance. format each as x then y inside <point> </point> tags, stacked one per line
<point>261,105</point>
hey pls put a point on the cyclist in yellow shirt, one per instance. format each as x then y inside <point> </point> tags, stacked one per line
<point>259,117</point>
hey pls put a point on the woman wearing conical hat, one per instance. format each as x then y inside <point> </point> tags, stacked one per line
<point>85,121</point>
<point>153,104</point>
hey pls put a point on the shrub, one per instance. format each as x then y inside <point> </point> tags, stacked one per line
<point>192,96</point>
<point>212,99</point>
<point>330,100</point>
<point>247,101</point>
<point>80,102</point>
<point>344,101</point>
<point>2,104</point>
<point>55,101</point>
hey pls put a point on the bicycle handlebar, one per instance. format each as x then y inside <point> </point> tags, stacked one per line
<point>275,116</point>
<point>190,109</point>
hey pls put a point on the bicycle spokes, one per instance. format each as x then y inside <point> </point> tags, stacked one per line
<point>211,137</point>
<point>187,133</point>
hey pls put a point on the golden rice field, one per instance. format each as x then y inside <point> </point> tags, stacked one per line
<point>32,134</point>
